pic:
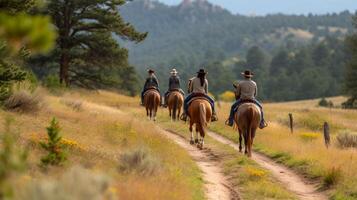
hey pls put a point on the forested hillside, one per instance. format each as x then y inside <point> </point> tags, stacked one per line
<point>308,50</point>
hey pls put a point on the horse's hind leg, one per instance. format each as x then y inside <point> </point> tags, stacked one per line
<point>240,141</point>
<point>197,137</point>
<point>246,145</point>
<point>191,131</point>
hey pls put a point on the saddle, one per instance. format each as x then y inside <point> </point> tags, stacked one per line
<point>197,96</point>
<point>244,101</point>
<point>150,89</point>
<point>176,90</point>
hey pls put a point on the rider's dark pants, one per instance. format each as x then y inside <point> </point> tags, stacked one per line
<point>237,103</point>
<point>190,96</point>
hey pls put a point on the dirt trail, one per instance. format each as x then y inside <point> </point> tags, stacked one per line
<point>304,189</point>
<point>216,185</point>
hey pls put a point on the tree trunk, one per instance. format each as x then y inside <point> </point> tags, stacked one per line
<point>64,65</point>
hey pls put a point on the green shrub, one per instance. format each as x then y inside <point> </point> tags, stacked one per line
<point>331,177</point>
<point>24,102</point>
<point>351,103</point>
<point>12,160</point>
<point>139,161</point>
<point>52,83</point>
<point>323,102</point>
<point>53,146</point>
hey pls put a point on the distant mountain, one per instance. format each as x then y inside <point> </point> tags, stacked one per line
<point>191,29</point>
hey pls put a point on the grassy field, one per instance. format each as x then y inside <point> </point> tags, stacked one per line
<point>252,181</point>
<point>304,150</point>
<point>140,163</point>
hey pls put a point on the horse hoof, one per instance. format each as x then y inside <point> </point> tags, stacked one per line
<point>192,142</point>
<point>196,141</point>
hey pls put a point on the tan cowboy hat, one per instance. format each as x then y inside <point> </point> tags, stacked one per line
<point>248,74</point>
<point>174,72</point>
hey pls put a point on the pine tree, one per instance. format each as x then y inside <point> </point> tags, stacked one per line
<point>351,70</point>
<point>87,49</point>
<point>53,145</point>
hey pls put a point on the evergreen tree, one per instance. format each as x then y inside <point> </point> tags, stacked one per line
<point>87,50</point>
<point>279,62</point>
<point>255,58</point>
<point>351,70</point>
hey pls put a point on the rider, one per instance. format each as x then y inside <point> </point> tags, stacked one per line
<point>246,91</point>
<point>150,83</point>
<point>198,86</point>
<point>174,85</point>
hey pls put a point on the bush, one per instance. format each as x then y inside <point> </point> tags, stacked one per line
<point>351,103</point>
<point>53,145</point>
<point>309,136</point>
<point>139,161</point>
<point>12,159</point>
<point>227,96</point>
<point>76,184</point>
<point>52,83</point>
<point>74,104</point>
<point>332,177</point>
<point>24,102</point>
<point>346,140</point>
<point>324,103</point>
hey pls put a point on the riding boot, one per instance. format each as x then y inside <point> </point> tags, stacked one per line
<point>183,117</point>
<point>165,102</point>
<point>263,124</point>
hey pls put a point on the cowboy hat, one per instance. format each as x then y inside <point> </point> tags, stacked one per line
<point>247,73</point>
<point>174,72</point>
<point>202,71</point>
<point>150,71</point>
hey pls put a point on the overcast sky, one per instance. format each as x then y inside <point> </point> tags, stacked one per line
<point>262,7</point>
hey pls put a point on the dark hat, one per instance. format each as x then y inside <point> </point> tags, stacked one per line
<point>202,71</point>
<point>247,73</point>
<point>151,71</point>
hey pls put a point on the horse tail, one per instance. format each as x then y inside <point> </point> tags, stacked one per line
<point>202,119</point>
<point>154,103</point>
<point>176,99</point>
<point>250,115</point>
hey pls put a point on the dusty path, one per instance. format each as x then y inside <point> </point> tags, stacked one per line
<point>304,189</point>
<point>216,185</point>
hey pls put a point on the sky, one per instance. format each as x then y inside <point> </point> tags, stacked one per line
<point>263,7</point>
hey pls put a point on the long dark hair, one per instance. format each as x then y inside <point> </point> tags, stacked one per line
<point>202,78</point>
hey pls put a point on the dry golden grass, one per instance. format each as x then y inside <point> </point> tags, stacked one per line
<point>97,136</point>
<point>305,150</point>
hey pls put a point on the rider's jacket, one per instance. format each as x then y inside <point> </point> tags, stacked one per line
<point>247,89</point>
<point>174,83</point>
<point>151,81</point>
<point>196,87</point>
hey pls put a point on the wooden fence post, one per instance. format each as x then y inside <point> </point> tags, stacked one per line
<point>291,120</point>
<point>327,134</point>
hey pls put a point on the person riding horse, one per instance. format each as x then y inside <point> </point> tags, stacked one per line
<point>198,86</point>
<point>246,91</point>
<point>174,85</point>
<point>150,83</point>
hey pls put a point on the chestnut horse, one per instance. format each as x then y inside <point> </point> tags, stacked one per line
<point>175,102</point>
<point>200,113</point>
<point>247,120</point>
<point>151,103</point>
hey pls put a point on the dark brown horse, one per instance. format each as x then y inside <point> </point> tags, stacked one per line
<point>247,120</point>
<point>175,102</point>
<point>200,113</point>
<point>151,102</point>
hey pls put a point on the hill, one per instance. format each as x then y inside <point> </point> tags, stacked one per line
<point>192,28</point>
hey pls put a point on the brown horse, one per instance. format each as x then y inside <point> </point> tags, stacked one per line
<point>200,113</point>
<point>175,102</point>
<point>247,120</point>
<point>152,102</point>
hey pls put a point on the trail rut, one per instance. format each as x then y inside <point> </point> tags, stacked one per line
<point>304,189</point>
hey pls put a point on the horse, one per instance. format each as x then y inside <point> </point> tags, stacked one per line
<point>175,102</point>
<point>247,120</point>
<point>200,113</point>
<point>151,103</point>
